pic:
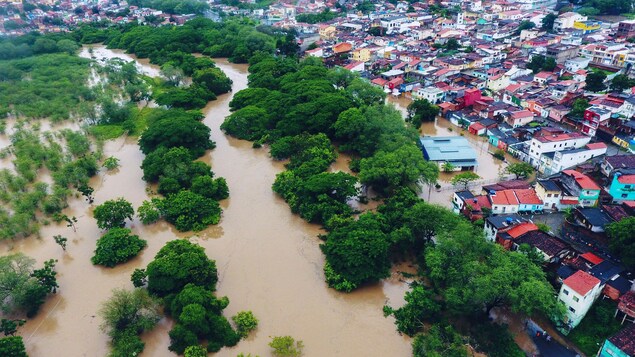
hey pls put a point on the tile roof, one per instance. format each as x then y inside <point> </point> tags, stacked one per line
<point>581,282</point>
<point>626,179</point>
<point>621,161</point>
<point>625,340</point>
<point>521,229</point>
<point>505,197</point>
<point>594,146</point>
<point>546,243</point>
<point>583,180</point>
<point>528,197</point>
<point>592,258</point>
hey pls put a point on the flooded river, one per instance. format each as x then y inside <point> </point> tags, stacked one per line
<point>268,261</point>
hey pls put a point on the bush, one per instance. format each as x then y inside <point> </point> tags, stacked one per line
<point>12,346</point>
<point>149,211</point>
<point>245,322</point>
<point>286,346</point>
<point>190,211</point>
<point>117,246</point>
<point>113,213</point>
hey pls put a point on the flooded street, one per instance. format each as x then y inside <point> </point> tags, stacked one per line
<point>268,261</point>
<point>489,168</point>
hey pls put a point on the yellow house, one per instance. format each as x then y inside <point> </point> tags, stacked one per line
<point>622,142</point>
<point>361,55</point>
<point>586,26</point>
<point>327,32</point>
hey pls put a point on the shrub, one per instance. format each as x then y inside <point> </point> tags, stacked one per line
<point>117,246</point>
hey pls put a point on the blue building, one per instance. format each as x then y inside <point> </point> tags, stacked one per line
<point>454,150</point>
<point>622,344</point>
<point>622,187</point>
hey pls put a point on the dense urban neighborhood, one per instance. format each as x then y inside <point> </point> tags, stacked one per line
<point>477,157</point>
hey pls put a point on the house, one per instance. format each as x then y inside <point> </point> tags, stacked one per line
<point>611,163</point>
<point>594,117</point>
<point>554,162</point>
<point>356,67</point>
<point>545,143</point>
<point>592,218</point>
<point>476,208</point>
<point>494,224</point>
<point>549,192</point>
<point>626,29</point>
<point>504,202</point>
<point>528,201</point>
<point>506,237</point>
<point>551,248</point>
<point>622,186</point>
<point>432,94</point>
<point>578,292</point>
<point>520,118</point>
<point>454,150</point>
<point>622,344</point>
<point>582,186</point>
<point>459,198</point>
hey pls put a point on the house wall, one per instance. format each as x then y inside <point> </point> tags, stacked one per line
<point>490,231</point>
<point>589,198</point>
<point>529,207</point>
<point>563,160</point>
<point>576,310</point>
<point>620,191</point>
<point>500,209</point>
<point>549,198</point>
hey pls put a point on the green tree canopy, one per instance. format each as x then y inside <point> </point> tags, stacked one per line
<point>595,81</point>
<point>520,169</point>
<point>420,111</point>
<point>117,246</point>
<point>621,82</point>
<point>190,211</point>
<point>387,171</point>
<point>182,130</point>
<point>622,240</point>
<point>113,213</point>
<point>464,179</point>
<point>439,341</point>
<point>357,252</point>
<point>180,263</point>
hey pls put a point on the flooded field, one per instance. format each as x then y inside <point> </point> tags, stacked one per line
<point>268,260</point>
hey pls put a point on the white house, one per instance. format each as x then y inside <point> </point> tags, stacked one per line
<point>552,143</point>
<point>578,292</point>
<point>574,64</point>
<point>553,162</point>
<point>432,94</point>
<point>566,21</point>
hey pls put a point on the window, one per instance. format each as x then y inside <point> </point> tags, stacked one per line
<point>624,195</point>
<point>627,186</point>
<point>571,309</point>
<point>575,298</point>
<point>565,291</point>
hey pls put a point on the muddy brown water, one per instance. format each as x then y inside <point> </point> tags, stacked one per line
<point>268,261</point>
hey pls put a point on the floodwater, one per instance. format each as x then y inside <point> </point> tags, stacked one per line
<point>268,261</point>
<point>489,168</point>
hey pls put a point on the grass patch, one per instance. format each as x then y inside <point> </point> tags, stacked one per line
<point>596,326</point>
<point>106,131</point>
<point>134,126</point>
